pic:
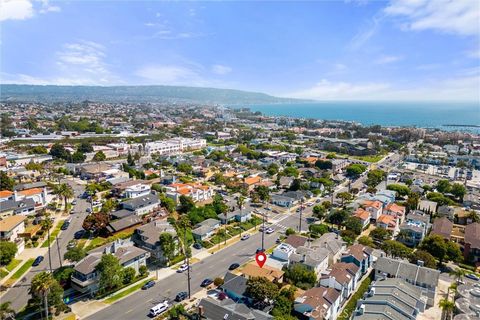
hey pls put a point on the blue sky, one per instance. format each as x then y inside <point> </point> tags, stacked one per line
<point>335,50</point>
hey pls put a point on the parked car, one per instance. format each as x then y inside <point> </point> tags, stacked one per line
<point>89,210</point>
<point>233,266</point>
<point>74,202</point>
<point>259,250</point>
<point>37,261</point>
<point>181,296</point>
<point>246,236</point>
<point>65,224</point>
<point>278,240</point>
<point>206,282</point>
<point>159,309</point>
<point>79,234</point>
<point>197,245</point>
<point>148,285</point>
<point>71,244</point>
<point>472,277</point>
<point>182,268</point>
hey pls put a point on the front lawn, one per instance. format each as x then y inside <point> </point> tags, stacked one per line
<point>126,292</point>
<point>53,235</point>
<point>13,264</point>
<point>19,273</point>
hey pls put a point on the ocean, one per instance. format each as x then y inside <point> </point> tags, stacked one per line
<point>418,114</point>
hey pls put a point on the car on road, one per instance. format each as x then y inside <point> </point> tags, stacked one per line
<point>89,210</point>
<point>182,268</point>
<point>74,202</point>
<point>65,224</point>
<point>472,277</point>
<point>246,236</point>
<point>270,230</point>
<point>159,309</point>
<point>37,261</point>
<point>276,211</point>
<point>148,285</point>
<point>259,250</point>
<point>181,296</point>
<point>71,244</point>
<point>234,266</point>
<point>206,282</point>
<point>79,234</point>
<point>197,245</point>
<point>278,240</point>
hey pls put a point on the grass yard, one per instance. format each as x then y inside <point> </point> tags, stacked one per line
<point>372,158</point>
<point>13,264</point>
<point>3,273</point>
<point>53,235</point>
<point>19,273</point>
<point>126,292</point>
<point>100,241</point>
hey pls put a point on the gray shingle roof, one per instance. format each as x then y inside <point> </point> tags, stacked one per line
<point>142,201</point>
<point>408,271</point>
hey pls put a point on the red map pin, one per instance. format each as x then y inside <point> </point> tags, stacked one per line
<point>261,258</point>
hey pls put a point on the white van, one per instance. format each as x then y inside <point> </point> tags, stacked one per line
<point>159,309</point>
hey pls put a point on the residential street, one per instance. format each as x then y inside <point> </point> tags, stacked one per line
<point>138,304</point>
<point>18,294</point>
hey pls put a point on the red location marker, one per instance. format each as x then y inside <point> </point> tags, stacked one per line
<point>261,258</point>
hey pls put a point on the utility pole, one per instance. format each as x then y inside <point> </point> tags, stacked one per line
<point>263,231</point>
<point>49,253</point>
<point>188,260</point>
<point>58,249</point>
<point>300,220</point>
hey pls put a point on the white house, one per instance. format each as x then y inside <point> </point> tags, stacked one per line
<point>137,190</point>
<point>10,228</point>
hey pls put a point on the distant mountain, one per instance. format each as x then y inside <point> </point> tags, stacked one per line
<point>49,93</point>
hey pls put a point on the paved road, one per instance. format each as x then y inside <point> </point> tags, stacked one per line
<point>138,304</point>
<point>19,295</point>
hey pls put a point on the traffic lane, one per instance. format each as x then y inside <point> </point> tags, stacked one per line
<point>138,304</point>
<point>18,295</point>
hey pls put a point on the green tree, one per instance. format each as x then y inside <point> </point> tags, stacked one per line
<point>354,170</point>
<point>319,211</point>
<point>38,150</point>
<point>128,275</point>
<point>366,241</point>
<point>78,157</point>
<point>428,260</point>
<point>218,281</point>
<point>186,204</point>
<point>85,147</point>
<point>323,165</point>
<point>6,311</point>
<point>44,286</point>
<point>263,193</point>
<point>75,254</point>
<point>300,276</point>
<point>338,217</point>
<point>443,186</point>
<point>374,177</point>
<point>143,271</point>
<point>354,224</point>
<point>344,196</point>
<point>185,168</point>
<point>6,183</point>
<point>453,252</point>
<point>8,250</point>
<point>396,249</point>
<point>168,246</point>
<point>458,274</point>
<point>99,156</point>
<point>272,169</point>
<point>261,289</point>
<point>318,229</point>
<point>290,172</point>
<point>111,272</point>
<point>58,151</point>
<point>458,190</point>
<point>167,203</point>
<point>289,231</point>
<point>436,246</point>
<point>447,307</point>
<point>96,221</point>
<point>130,160</point>
<point>400,189</point>
<point>65,191</point>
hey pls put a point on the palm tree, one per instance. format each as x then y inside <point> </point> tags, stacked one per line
<point>458,274</point>
<point>6,311</point>
<point>447,307</point>
<point>240,201</point>
<point>40,287</point>
<point>65,191</point>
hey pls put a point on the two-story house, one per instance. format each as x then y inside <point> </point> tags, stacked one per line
<point>147,237</point>
<point>10,229</point>
<point>360,255</point>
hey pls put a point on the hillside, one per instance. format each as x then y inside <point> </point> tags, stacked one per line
<point>50,93</point>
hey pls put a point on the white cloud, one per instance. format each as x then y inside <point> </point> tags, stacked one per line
<point>326,90</point>
<point>24,9</point>
<point>366,33</point>
<point>47,7</point>
<point>388,59</point>
<point>462,88</point>
<point>15,10</point>
<point>170,74</point>
<point>221,69</point>
<point>450,16</point>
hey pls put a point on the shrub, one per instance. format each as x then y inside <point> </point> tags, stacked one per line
<point>218,281</point>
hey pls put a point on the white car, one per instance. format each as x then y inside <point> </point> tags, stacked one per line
<point>159,309</point>
<point>182,268</point>
<point>270,230</point>
<point>245,236</point>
